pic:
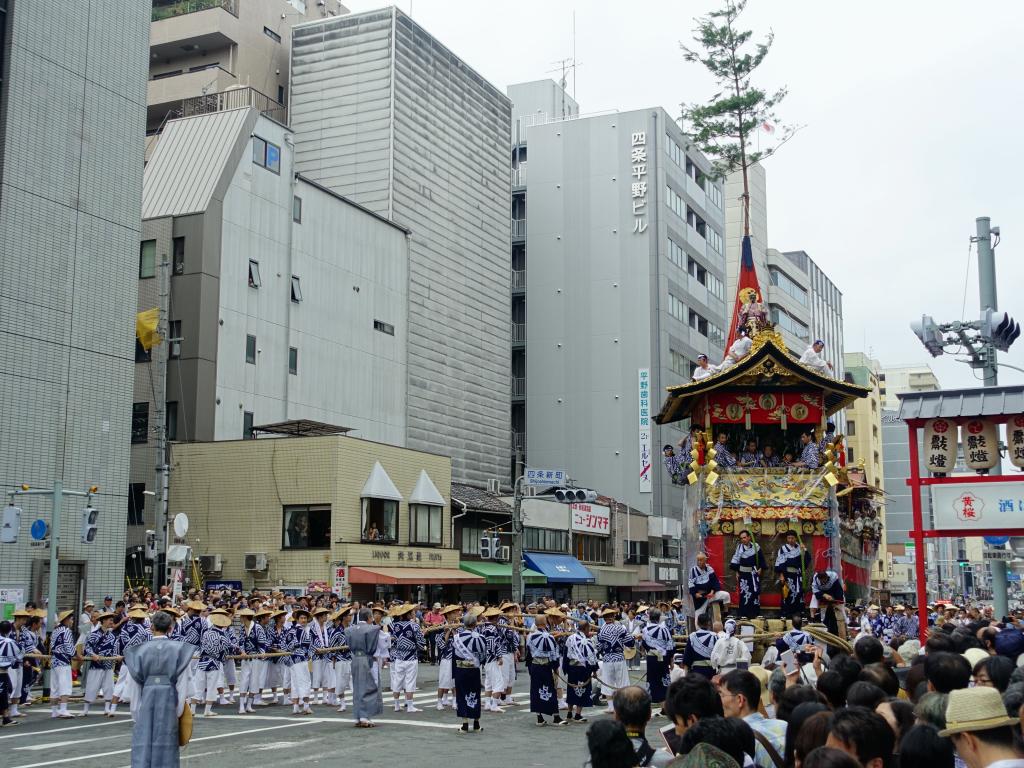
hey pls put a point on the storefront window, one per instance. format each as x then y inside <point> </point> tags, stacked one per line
<point>380,520</point>
<point>591,549</point>
<point>425,523</point>
<point>306,527</point>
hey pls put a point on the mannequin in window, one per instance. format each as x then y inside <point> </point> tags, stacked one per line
<point>372,534</point>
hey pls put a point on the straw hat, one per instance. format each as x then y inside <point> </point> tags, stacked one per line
<point>609,612</point>
<point>195,605</point>
<point>169,609</point>
<point>476,610</point>
<point>321,611</point>
<point>21,613</point>
<point>491,612</point>
<point>974,655</point>
<point>63,615</point>
<point>138,613</point>
<point>378,609</point>
<point>763,676</point>
<point>246,613</point>
<point>401,610</point>
<point>554,613</point>
<point>264,612</point>
<point>450,609</point>
<point>341,612</point>
<point>220,619</point>
<point>297,611</point>
<point>677,601</point>
<point>975,709</point>
<point>105,615</point>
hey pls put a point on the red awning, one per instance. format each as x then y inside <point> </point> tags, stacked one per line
<point>414,576</point>
<point>650,586</point>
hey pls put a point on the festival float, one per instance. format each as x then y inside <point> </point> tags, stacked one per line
<point>767,395</point>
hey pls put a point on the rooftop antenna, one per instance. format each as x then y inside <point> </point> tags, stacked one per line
<point>565,66</point>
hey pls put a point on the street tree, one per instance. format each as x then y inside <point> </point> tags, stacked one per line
<point>723,126</point>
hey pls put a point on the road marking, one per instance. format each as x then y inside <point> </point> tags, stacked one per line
<point>40,747</point>
<point>419,723</point>
<point>203,738</point>
<point>22,734</point>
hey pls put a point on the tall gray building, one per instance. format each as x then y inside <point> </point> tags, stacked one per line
<point>387,116</point>
<point>72,118</point>
<point>624,272</point>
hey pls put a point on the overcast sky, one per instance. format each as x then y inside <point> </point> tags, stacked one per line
<point>911,112</point>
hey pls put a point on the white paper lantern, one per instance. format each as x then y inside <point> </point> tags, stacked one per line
<point>981,444</point>
<point>1015,440</point>
<point>940,443</point>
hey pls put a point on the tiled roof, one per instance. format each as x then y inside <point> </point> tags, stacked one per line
<point>953,403</point>
<point>479,499</point>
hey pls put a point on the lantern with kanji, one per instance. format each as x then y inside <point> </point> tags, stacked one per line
<point>1015,440</point>
<point>940,443</point>
<point>981,444</point>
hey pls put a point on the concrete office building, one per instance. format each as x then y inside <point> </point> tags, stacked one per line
<point>72,114</point>
<point>289,301</point>
<point>210,48</point>
<point>387,116</point>
<point>897,379</point>
<point>624,287</point>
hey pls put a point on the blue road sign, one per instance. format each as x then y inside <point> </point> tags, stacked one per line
<point>40,530</point>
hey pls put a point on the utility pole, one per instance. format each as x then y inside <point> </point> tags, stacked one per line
<point>990,371</point>
<point>517,538</point>
<point>161,352</point>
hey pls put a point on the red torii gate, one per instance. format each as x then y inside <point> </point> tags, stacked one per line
<point>996,404</point>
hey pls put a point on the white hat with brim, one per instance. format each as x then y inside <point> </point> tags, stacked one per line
<point>974,655</point>
<point>975,709</point>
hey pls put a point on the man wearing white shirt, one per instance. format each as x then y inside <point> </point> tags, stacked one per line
<point>812,358</point>
<point>737,351</point>
<point>703,369</point>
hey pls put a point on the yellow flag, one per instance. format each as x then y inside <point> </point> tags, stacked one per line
<point>146,328</point>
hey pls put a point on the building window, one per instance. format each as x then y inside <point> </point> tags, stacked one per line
<point>675,254</point>
<point>174,339</point>
<point>247,419</point>
<point>380,520</point>
<point>785,321</point>
<point>384,327</point>
<point>178,255</point>
<point>637,552</point>
<point>706,328</point>
<point>293,361</point>
<point>670,548</point>
<point>545,540</point>
<point>679,364</point>
<point>297,292</point>
<point>675,202</point>
<point>676,308</point>
<point>714,239</point>
<point>851,427</point>
<point>471,535</point>
<point>591,549</point>
<point>142,355</point>
<point>266,155</point>
<point>425,524</point>
<point>788,285</point>
<point>280,95</point>
<point>272,34</point>
<point>136,504</point>
<point>171,421</point>
<point>306,527</point>
<point>140,422</point>
<point>849,455</point>
<point>147,258</point>
<point>250,349</point>
<point>297,209</point>
<point>254,274</point>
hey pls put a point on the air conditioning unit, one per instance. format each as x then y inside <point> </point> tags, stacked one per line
<point>255,561</point>
<point>210,563</point>
<point>494,485</point>
<point>530,491</point>
<point>503,554</point>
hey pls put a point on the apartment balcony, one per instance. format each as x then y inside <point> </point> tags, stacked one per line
<point>519,176</point>
<point>167,91</point>
<point>187,28</point>
<point>518,229</point>
<point>518,442</point>
<point>518,280</point>
<point>518,334</point>
<point>518,387</point>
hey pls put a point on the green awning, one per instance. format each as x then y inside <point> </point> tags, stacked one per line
<point>500,573</point>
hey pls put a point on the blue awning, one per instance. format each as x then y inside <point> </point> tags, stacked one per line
<point>559,569</point>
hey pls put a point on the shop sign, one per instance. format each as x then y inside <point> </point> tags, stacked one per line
<point>644,398</point>
<point>591,518</point>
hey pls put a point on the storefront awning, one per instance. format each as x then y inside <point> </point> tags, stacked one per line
<point>413,576</point>
<point>559,569</point>
<point>651,586</point>
<point>500,573</point>
<point>614,577</point>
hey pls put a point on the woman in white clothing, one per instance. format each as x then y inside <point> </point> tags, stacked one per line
<point>729,651</point>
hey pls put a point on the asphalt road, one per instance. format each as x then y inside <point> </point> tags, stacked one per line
<point>274,737</point>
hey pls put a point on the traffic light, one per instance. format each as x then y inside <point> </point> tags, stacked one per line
<point>11,525</point>
<point>575,495</point>
<point>150,545</point>
<point>1000,328</point>
<point>963,563</point>
<point>928,332</point>
<point>89,527</point>
<point>488,545</point>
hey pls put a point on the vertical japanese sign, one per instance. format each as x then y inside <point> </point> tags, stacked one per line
<point>638,186</point>
<point>940,444</point>
<point>981,444</point>
<point>1015,440</point>
<point>644,380</point>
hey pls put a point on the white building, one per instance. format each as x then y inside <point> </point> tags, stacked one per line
<point>897,379</point>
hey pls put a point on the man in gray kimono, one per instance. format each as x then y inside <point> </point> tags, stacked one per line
<point>363,640</point>
<point>158,685</point>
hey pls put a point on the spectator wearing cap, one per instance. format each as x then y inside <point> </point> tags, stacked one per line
<point>980,729</point>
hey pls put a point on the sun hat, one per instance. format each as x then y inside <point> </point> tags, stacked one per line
<point>138,612</point>
<point>450,609</point>
<point>975,709</point>
<point>219,619</point>
<point>974,655</point>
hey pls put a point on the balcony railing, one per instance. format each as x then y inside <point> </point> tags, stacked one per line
<point>518,442</point>
<point>518,333</point>
<point>235,98</point>
<point>162,9</point>
<point>519,175</point>
<point>518,386</point>
<point>518,227</point>
<point>518,279</point>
